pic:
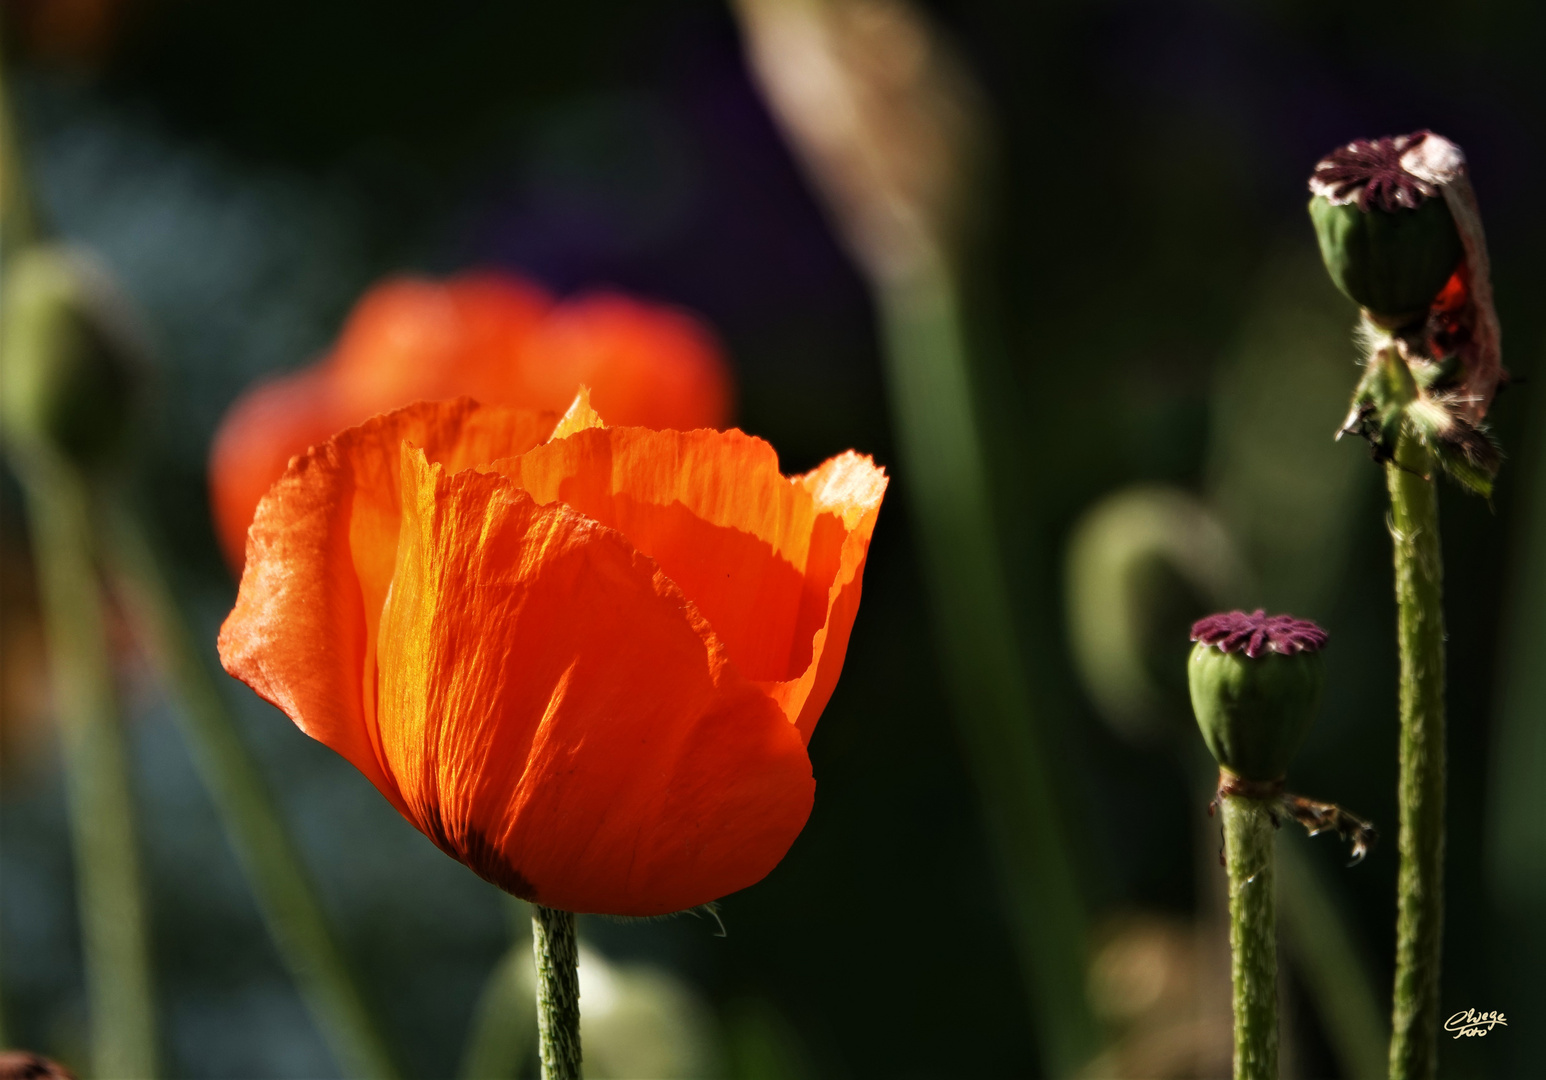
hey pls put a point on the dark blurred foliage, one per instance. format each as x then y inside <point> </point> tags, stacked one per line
<point>249,168</point>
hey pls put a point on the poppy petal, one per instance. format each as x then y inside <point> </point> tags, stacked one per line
<point>562,719</point>
<point>494,337</point>
<point>580,417</point>
<point>320,557</point>
<point>773,563</point>
<point>850,486</point>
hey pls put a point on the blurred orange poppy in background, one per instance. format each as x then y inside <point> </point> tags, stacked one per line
<point>583,660</point>
<point>494,337</point>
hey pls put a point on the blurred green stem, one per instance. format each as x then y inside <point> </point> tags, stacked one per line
<point>252,822</point>
<point>893,131</point>
<point>500,1035</point>
<point>1516,830</point>
<point>942,452</point>
<point>557,953</point>
<point>114,935</point>
<point>1329,959</point>
<point>1253,959</point>
<point>1414,528</point>
<point>18,224</point>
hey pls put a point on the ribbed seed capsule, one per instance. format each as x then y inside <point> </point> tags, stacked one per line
<point>1256,685</point>
<point>1386,234</point>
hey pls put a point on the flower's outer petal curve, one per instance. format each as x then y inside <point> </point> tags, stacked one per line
<point>320,556</point>
<point>773,563</point>
<point>561,718</point>
<point>850,486</point>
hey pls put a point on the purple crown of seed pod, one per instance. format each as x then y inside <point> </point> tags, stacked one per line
<point>1394,173</point>
<point>1259,633</point>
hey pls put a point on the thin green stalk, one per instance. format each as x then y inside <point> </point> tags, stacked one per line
<point>500,1036</point>
<point>499,1039</point>
<point>1414,528</point>
<point>1320,946</point>
<point>557,953</point>
<point>1253,960</point>
<point>114,934</point>
<point>942,452</point>
<point>274,870</point>
<point>18,220</point>
<point>1516,826</point>
<point>902,160</point>
<point>1330,959</point>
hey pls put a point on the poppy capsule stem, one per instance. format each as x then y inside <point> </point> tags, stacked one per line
<point>1248,838</point>
<point>1414,528</point>
<point>558,992</point>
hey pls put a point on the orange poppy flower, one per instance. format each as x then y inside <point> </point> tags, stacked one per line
<point>493,337</point>
<point>583,660</point>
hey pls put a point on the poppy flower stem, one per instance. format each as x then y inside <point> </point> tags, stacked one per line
<point>557,953</point>
<point>1414,529</point>
<point>252,822</point>
<point>1249,825</point>
<point>114,933</point>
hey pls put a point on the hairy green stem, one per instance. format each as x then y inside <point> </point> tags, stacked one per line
<point>1253,949</point>
<point>1414,528</point>
<point>557,952</point>
<point>252,822</point>
<point>941,446</point>
<point>114,934</point>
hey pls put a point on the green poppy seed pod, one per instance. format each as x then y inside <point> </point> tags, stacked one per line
<point>1256,685</point>
<point>1386,232</point>
<point>67,356</point>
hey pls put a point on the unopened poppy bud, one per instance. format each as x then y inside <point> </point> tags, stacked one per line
<point>1256,685</point>
<point>1386,233</point>
<point>66,356</point>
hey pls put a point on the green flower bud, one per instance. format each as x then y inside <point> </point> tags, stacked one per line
<point>67,358</point>
<point>1386,233</point>
<point>1256,685</point>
